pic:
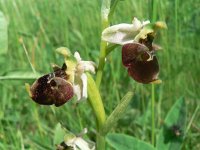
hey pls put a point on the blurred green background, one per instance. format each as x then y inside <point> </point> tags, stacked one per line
<point>45,25</point>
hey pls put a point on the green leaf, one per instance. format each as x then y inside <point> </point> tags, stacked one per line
<point>96,101</point>
<point>3,34</point>
<point>59,134</point>
<point>20,75</point>
<point>117,113</point>
<point>126,142</point>
<point>172,133</point>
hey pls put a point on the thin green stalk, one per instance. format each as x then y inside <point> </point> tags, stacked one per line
<point>153,114</point>
<point>192,119</point>
<point>26,52</point>
<point>154,17</point>
<point>105,9</point>
<point>176,22</point>
<point>101,144</point>
<point>154,10</point>
<point>101,63</point>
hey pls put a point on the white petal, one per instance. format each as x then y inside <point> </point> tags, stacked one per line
<point>119,34</point>
<point>80,87</point>
<point>77,56</point>
<point>138,24</point>
<point>82,144</point>
<point>78,143</point>
<point>84,87</point>
<point>88,66</point>
<point>75,148</point>
<point>77,91</point>
<point>123,33</point>
<point>144,23</point>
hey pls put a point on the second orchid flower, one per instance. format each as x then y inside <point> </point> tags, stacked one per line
<point>138,49</point>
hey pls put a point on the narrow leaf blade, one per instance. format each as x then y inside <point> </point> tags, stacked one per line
<point>96,101</point>
<point>20,75</point>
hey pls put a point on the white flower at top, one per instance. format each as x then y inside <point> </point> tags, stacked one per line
<point>124,33</point>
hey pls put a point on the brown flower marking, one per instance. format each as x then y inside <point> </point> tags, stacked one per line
<point>52,88</point>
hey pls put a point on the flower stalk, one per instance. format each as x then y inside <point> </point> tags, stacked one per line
<point>154,17</point>
<point>105,9</point>
<point>152,114</point>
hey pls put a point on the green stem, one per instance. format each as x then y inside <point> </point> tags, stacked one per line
<point>154,17</point>
<point>105,9</point>
<point>154,10</point>
<point>153,114</point>
<point>101,63</point>
<point>101,144</point>
<point>176,24</point>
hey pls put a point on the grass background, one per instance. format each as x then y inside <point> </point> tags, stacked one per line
<point>46,25</point>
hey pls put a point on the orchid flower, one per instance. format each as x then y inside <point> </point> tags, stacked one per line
<point>138,50</point>
<point>63,83</point>
<point>141,63</point>
<point>76,142</point>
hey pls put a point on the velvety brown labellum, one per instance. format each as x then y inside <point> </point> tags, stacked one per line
<point>142,65</point>
<point>52,88</point>
<point>134,51</point>
<point>47,91</point>
<point>144,71</point>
